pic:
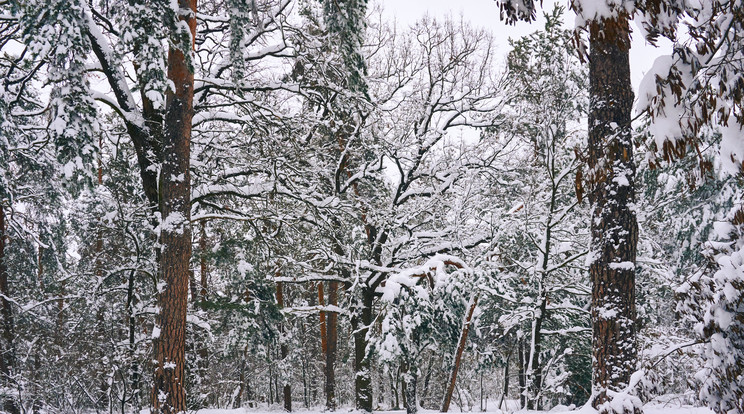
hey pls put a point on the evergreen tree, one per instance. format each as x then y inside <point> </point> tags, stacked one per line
<point>168,394</point>
<point>611,192</point>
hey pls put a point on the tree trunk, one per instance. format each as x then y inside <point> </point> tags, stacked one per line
<point>244,387</point>
<point>403,387</point>
<point>394,390</point>
<point>287,389</point>
<point>533,379</point>
<point>360,323</point>
<point>314,389</point>
<point>193,289</point>
<point>276,389</point>
<point>521,375</point>
<point>613,222</point>
<point>323,336</point>
<point>175,234</point>
<point>410,378</point>
<point>103,388</point>
<point>241,385</point>
<point>305,390</point>
<point>199,298</point>
<point>271,385</point>
<point>505,390</point>
<point>427,378</point>
<point>331,347</point>
<point>60,330</point>
<point>458,354</point>
<point>250,395</point>
<point>132,322</point>
<point>482,406</point>
<point>7,340</point>
<point>37,402</point>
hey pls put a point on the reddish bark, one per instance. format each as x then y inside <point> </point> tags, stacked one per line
<point>331,347</point>
<point>168,394</point>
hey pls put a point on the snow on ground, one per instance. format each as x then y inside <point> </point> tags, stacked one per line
<point>653,408</point>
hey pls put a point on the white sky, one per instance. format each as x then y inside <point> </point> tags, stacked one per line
<point>485,13</point>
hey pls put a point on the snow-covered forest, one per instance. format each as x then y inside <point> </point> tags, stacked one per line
<point>305,205</point>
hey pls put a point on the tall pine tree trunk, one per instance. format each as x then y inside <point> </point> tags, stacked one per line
<point>175,235</point>
<point>36,387</point>
<point>613,222</point>
<point>427,378</point>
<point>394,390</point>
<point>7,340</point>
<point>534,378</point>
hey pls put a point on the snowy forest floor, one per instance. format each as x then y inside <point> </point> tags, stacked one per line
<point>651,408</point>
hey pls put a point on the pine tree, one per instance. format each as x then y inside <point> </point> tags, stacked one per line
<point>611,193</point>
<point>175,228</point>
<point>346,23</point>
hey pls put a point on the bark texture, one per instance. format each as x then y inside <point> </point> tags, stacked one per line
<point>175,236</point>
<point>613,227</point>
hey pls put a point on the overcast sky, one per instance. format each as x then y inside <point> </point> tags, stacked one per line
<point>485,13</point>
